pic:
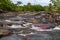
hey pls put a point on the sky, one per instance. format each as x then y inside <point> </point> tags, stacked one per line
<point>41,2</point>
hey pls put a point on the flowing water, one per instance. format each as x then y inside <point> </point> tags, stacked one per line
<point>52,35</point>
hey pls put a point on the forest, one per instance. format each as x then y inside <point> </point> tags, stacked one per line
<point>8,5</point>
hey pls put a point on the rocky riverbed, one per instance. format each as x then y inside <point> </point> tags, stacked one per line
<point>13,31</point>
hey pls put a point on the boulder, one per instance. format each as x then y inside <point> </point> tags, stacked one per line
<point>5,32</point>
<point>1,11</point>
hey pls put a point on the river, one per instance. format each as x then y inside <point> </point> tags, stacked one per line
<point>51,35</point>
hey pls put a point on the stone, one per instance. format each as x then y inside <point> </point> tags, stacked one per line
<point>4,32</point>
<point>32,20</point>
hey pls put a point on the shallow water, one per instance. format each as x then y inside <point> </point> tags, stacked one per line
<point>54,35</point>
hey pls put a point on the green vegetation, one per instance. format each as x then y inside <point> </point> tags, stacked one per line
<point>56,3</point>
<point>56,6</point>
<point>30,7</point>
<point>7,5</point>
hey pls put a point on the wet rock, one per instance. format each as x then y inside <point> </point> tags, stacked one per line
<point>5,32</point>
<point>7,15</point>
<point>12,37</point>
<point>2,11</point>
<point>32,20</point>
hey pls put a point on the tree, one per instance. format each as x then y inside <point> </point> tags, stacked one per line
<point>50,7</point>
<point>56,3</point>
<point>28,3</point>
<point>7,5</point>
<point>56,6</point>
<point>18,3</point>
